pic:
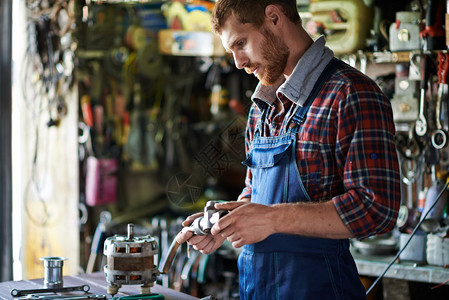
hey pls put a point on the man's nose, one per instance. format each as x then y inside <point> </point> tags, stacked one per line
<point>240,60</point>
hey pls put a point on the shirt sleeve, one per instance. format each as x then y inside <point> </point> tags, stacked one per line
<point>246,193</point>
<point>366,154</point>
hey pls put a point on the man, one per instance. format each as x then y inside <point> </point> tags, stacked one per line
<point>322,164</point>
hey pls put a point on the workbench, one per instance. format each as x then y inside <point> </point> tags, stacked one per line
<point>98,286</point>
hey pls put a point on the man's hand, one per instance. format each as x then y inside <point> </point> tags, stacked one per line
<point>204,243</point>
<point>246,223</point>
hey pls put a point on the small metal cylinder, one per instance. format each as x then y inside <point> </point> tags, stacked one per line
<point>53,271</point>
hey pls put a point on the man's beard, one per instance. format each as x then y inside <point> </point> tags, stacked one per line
<point>275,54</point>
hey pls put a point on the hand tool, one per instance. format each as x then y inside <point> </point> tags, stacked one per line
<point>439,136</point>
<point>421,122</point>
<point>84,288</point>
<point>53,297</point>
<point>200,226</point>
<point>203,225</point>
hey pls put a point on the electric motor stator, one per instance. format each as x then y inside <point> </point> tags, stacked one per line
<point>130,261</point>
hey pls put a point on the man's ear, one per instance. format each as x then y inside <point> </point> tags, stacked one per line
<point>273,14</point>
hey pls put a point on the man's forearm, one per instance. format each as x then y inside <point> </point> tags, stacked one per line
<point>309,219</point>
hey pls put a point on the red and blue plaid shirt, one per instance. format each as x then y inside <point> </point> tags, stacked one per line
<point>345,150</point>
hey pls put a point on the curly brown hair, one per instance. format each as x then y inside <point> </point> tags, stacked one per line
<point>250,11</point>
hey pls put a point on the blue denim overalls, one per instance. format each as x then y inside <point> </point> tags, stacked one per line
<point>291,266</point>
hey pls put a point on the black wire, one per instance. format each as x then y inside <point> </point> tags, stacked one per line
<point>409,239</point>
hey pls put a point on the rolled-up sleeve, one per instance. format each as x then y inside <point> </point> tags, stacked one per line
<point>366,154</point>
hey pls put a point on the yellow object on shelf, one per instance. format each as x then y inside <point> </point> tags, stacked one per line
<point>180,18</point>
<point>198,21</point>
<point>347,23</point>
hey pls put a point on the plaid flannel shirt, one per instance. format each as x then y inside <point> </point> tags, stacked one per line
<point>345,150</point>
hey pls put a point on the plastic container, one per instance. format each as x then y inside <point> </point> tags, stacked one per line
<point>437,250</point>
<point>416,249</point>
<point>437,212</point>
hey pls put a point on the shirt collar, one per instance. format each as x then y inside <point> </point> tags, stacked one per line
<point>298,86</point>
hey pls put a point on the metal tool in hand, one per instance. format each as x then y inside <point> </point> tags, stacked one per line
<point>439,136</point>
<point>200,226</point>
<point>203,225</point>
<point>83,288</point>
<point>421,122</point>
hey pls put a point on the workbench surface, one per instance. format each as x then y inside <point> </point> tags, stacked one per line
<point>97,283</point>
<point>370,265</point>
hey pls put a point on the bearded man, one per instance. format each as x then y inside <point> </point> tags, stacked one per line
<point>320,155</point>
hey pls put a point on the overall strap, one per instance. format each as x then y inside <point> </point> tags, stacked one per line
<point>300,115</point>
<point>260,122</point>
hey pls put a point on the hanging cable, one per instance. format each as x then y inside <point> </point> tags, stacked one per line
<point>409,239</point>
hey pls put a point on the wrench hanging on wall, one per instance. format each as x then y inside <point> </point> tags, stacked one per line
<point>439,136</point>
<point>442,114</point>
<point>421,122</point>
